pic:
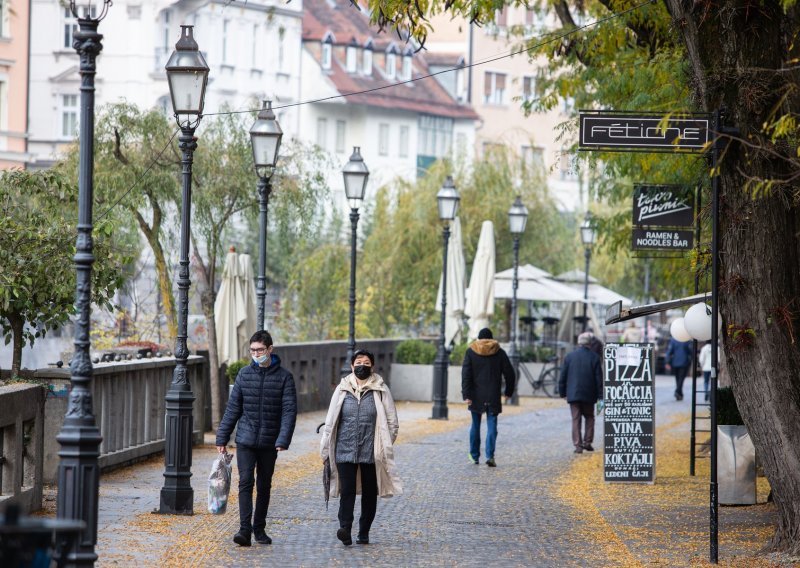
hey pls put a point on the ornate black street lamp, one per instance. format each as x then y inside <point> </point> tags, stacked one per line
<point>588,237</point>
<point>265,136</point>
<point>517,219</point>
<point>448,207</point>
<point>355,174</point>
<point>187,74</point>
<point>78,470</point>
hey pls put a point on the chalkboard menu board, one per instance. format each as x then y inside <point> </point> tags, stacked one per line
<point>629,396</point>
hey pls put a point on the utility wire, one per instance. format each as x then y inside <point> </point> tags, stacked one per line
<point>141,176</point>
<point>374,89</point>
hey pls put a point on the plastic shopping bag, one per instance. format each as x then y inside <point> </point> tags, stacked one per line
<point>219,484</point>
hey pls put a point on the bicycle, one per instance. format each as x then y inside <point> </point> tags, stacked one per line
<point>547,379</point>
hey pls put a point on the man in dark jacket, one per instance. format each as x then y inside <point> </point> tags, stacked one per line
<point>264,403</point>
<point>581,383</point>
<point>679,358</point>
<point>485,366</point>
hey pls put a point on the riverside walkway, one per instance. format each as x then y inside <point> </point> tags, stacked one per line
<point>542,505</point>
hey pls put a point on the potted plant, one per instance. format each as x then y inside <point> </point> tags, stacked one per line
<point>736,455</point>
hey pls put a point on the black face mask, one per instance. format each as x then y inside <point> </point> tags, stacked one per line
<point>362,371</point>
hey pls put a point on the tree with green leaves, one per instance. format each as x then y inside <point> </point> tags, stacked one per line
<point>674,55</point>
<point>38,228</point>
<point>130,143</point>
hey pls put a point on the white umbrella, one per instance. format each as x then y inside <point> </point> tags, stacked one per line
<point>480,296</point>
<point>541,290</point>
<point>229,311</point>
<point>598,294</point>
<point>456,282</point>
<point>248,325</point>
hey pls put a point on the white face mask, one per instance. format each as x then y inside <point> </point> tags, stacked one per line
<point>261,358</point>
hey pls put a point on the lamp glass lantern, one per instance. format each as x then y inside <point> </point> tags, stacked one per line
<point>265,136</point>
<point>448,199</point>
<point>355,174</point>
<point>187,75</point>
<point>89,9</point>
<point>517,217</point>
<point>588,231</point>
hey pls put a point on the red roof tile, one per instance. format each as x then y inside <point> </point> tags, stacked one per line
<point>345,22</point>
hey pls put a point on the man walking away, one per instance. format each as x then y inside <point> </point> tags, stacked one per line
<point>581,383</point>
<point>264,402</point>
<point>485,366</point>
<point>679,357</point>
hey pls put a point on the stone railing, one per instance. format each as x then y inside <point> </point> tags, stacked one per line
<point>21,445</point>
<point>316,366</point>
<point>129,408</point>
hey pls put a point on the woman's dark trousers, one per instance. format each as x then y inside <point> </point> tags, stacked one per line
<point>252,461</point>
<point>369,495</point>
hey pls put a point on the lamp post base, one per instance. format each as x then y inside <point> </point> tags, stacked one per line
<point>176,501</point>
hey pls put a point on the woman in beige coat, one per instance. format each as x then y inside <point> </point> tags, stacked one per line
<point>360,430</point>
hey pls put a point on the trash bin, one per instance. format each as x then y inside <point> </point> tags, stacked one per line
<point>27,542</point>
<point>736,466</point>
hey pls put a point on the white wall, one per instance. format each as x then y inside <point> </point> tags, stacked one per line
<point>137,42</point>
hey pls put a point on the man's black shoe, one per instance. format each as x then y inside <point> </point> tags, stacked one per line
<point>588,447</point>
<point>362,539</point>
<point>262,537</point>
<point>343,534</point>
<point>578,451</point>
<point>490,462</point>
<point>242,538</point>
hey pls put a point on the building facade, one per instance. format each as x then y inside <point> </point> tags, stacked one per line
<point>252,48</point>
<point>352,72</point>
<point>14,44</point>
<point>498,89</point>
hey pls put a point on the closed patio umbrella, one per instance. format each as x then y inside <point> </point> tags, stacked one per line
<point>229,310</point>
<point>248,326</point>
<point>480,296</point>
<point>456,282</point>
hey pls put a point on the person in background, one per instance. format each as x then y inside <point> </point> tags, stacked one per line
<point>678,358</point>
<point>632,334</point>
<point>581,383</point>
<point>705,363</point>
<point>360,430</point>
<point>595,345</point>
<point>485,368</point>
<point>264,403</point>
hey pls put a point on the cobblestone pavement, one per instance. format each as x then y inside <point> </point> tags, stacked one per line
<point>452,513</point>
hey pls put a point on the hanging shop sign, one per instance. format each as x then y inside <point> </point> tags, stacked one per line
<point>661,240</point>
<point>663,205</point>
<point>651,132</point>
<point>629,425</point>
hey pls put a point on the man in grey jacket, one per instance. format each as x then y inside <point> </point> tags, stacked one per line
<point>264,403</point>
<point>581,383</point>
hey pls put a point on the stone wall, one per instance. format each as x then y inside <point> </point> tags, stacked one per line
<point>22,409</point>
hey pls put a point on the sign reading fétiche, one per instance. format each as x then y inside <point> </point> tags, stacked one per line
<point>662,239</point>
<point>625,132</point>
<point>663,205</point>
<point>629,447</point>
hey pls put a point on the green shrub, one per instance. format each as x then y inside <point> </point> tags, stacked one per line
<point>457,354</point>
<point>415,352</point>
<point>727,409</point>
<point>234,368</point>
<point>527,354</point>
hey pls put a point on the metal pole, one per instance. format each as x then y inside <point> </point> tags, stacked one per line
<point>713,487</point>
<point>264,190</point>
<point>513,353</point>
<point>588,254</point>
<point>78,470</point>
<point>177,495</point>
<point>441,363</point>
<point>693,435</point>
<point>351,336</point>
<point>646,297</point>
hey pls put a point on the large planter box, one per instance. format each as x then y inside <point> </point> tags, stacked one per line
<point>736,466</point>
<point>415,383</point>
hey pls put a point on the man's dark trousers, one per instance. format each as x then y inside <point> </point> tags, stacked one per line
<point>680,375</point>
<point>251,461</point>
<point>583,410</point>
